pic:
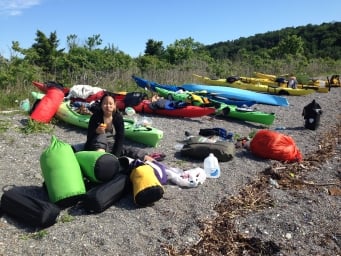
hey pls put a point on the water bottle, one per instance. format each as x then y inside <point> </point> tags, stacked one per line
<point>211,166</point>
<point>129,111</point>
<point>25,105</point>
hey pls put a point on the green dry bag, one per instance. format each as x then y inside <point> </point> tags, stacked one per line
<point>98,166</point>
<point>62,173</point>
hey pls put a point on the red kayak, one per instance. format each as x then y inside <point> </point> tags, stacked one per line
<point>187,111</point>
<point>43,87</point>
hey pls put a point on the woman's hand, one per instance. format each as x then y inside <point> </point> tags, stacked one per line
<point>101,128</point>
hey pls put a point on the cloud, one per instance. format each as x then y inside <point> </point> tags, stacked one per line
<point>16,7</point>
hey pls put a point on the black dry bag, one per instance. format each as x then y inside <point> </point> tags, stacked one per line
<point>28,209</point>
<point>311,114</point>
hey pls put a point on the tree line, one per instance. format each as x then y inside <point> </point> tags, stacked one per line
<point>314,41</point>
<point>308,51</point>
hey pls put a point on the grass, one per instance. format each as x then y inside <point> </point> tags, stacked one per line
<point>36,235</point>
<point>33,126</point>
<point>66,218</point>
<point>4,126</point>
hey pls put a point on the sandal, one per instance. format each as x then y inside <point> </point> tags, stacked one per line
<point>158,156</point>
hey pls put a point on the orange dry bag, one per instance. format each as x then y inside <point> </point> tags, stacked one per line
<point>274,145</point>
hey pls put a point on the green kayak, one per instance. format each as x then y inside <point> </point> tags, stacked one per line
<point>245,114</point>
<point>222,109</point>
<point>149,136</point>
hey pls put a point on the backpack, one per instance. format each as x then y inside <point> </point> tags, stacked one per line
<point>311,114</point>
<point>134,98</point>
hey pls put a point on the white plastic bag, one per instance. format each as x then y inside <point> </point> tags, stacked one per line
<point>189,178</point>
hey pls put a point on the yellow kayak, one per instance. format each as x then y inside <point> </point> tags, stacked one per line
<point>255,87</point>
<point>264,81</point>
<point>316,84</point>
<point>265,76</point>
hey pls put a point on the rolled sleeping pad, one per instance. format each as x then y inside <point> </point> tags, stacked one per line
<point>48,105</point>
<point>98,166</point>
<point>62,174</point>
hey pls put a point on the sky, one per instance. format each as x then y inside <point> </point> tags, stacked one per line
<point>128,24</point>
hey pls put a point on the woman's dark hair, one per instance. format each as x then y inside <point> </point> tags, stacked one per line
<point>96,106</point>
<point>105,95</point>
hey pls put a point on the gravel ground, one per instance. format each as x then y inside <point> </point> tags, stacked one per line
<point>300,221</point>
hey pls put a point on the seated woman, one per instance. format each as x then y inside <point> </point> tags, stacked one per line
<point>106,131</point>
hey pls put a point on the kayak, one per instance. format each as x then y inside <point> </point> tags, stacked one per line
<point>146,135</point>
<point>245,114</point>
<point>200,98</point>
<point>316,84</point>
<point>239,94</point>
<point>262,85</point>
<point>265,76</point>
<point>222,109</point>
<point>43,87</point>
<point>230,80</point>
<point>190,111</point>
<point>150,85</point>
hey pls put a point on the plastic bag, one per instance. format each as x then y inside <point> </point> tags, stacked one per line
<point>189,178</point>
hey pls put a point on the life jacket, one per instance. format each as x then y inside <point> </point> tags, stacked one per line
<point>196,99</point>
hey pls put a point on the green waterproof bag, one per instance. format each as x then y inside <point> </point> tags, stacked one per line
<point>98,166</point>
<point>62,173</point>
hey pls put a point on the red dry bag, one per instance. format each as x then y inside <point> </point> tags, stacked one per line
<point>48,105</point>
<point>274,145</point>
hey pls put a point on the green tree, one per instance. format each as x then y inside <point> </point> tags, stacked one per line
<point>72,41</point>
<point>150,62</point>
<point>46,51</point>
<point>290,45</point>
<point>293,45</point>
<point>154,48</point>
<point>93,41</point>
<point>181,50</point>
